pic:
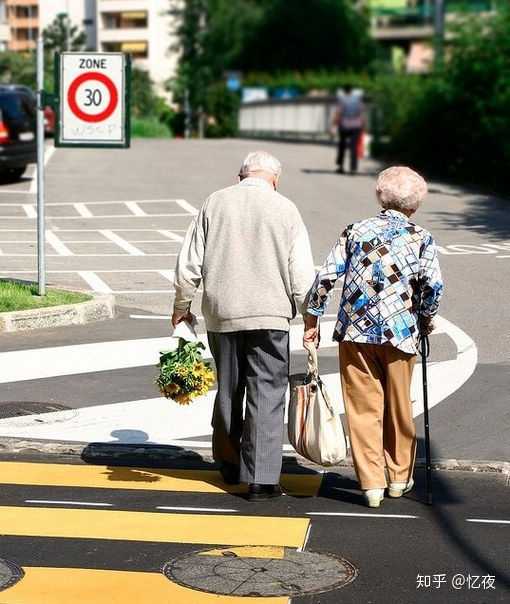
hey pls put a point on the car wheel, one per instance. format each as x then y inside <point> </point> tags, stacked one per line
<point>17,173</point>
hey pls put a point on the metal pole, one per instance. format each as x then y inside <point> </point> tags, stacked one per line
<point>439,28</point>
<point>41,261</point>
<point>187,115</point>
<point>68,28</point>
<point>425,349</point>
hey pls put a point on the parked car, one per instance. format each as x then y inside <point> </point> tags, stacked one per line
<point>49,121</point>
<point>18,109</point>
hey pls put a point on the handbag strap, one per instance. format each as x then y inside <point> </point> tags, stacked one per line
<point>313,361</point>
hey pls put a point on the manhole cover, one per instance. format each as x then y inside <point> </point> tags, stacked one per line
<point>260,571</point>
<point>10,574</point>
<point>21,412</point>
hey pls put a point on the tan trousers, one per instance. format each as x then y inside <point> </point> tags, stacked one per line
<point>376,384</point>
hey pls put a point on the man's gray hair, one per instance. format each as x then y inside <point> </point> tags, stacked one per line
<point>260,161</point>
<point>400,188</point>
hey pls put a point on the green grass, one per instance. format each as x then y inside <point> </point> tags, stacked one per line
<point>149,127</point>
<point>21,296</point>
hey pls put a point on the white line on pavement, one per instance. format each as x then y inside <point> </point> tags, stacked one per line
<point>122,229</point>
<point>360,515</point>
<point>486,521</point>
<point>50,501</point>
<point>96,217</point>
<point>154,317</point>
<point>86,256</point>
<point>82,210</point>
<point>48,154</point>
<point>187,206</point>
<point>191,509</point>
<point>172,236</point>
<point>95,282</point>
<point>135,208</point>
<point>144,291</point>
<point>29,210</point>
<point>103,203</point>
<point>168,275</point>
<point>112,270</point>
<point>58,245</point>
<point>122,243</point>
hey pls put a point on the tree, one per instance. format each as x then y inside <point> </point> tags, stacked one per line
<point>62,35</point>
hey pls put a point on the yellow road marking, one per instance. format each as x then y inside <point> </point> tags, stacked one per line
<point>249,551</point>
<point>73,585</point>
<point>112,477</point>
<point>151,526</point>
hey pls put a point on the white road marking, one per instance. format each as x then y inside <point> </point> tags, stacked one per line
<point>153,317</point>
<point>360,515</point>
<point>124,230</point>
<point>82,210</point>
<point>191,509</point>
<point>172,235</point>
<point>48,154</point>
<point>95,282</point>
<point>100,217</point>
<point>88,256</point>
<point>122,243</point>
<point>103,203</point>
<point>87,503</point>
<point>187,206</point>
<point>486,521</point>
<point>135,208</point>
<point>168,275</point>
<point>29,210</point>
<point>144,291</point>
<point>76,271</point>
<point>57,244</point>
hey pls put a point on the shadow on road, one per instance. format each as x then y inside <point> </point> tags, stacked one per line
<point>484,215</point>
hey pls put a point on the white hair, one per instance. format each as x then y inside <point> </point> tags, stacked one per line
<point>260,161</point>
<point>400,188</point>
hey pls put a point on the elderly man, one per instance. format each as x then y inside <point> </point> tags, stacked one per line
<point>250,248</point>
<point>392,287</point>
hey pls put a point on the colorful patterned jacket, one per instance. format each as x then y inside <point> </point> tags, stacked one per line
<point>392,275</point>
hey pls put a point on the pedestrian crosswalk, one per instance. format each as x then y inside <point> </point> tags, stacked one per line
<point>87,512</point>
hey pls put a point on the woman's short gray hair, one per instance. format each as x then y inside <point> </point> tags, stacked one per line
<point>400,188</point>
<point>260,161</point>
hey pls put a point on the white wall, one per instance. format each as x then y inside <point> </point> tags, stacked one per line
<point>78,10</point>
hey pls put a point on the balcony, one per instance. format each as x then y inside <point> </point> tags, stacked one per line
<point>123,35</point>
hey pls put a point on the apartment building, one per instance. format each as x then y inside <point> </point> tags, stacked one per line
<point>23,22</point>
<point>405,28</point>
<point>5,34</point>
<point>82,14</point>
<point>142,28</point>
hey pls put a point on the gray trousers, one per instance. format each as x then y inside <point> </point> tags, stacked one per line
<point>255,363</point>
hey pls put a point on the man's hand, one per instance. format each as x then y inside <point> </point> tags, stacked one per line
<point>312,333</point>
<point>182,315</point>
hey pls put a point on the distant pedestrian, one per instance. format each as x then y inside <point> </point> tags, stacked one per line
<point>349,119</point>
<point>392,287</point>
<point>250,248</point>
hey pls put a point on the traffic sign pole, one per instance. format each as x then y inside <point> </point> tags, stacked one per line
<point>41,260</point>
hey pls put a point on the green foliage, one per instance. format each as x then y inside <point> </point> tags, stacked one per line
<point>305,81</point>
<point>222,106</point>
<point>62,35</point>
<point>149,127</point>
<point>17,68</point>
<point>23,296</point>
<point>456,121</point>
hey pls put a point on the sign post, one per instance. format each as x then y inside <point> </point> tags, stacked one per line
<point>41,258</point>
<point>93,100</point>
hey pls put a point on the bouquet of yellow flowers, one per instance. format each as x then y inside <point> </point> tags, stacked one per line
<point>183,374</point>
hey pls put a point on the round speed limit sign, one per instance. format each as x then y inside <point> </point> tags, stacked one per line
<point>93,99</point>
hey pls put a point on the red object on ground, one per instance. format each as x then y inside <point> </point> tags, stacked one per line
<point>361,145</point>
<point>49,121</point>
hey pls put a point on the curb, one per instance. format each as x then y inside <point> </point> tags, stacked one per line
<point>158,455</point>
<point>100,308</point>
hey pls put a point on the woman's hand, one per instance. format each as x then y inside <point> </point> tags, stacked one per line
<point>179,316</point>
<point>312,334</point>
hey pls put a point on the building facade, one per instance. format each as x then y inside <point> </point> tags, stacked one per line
<point>142,28</point>
<point>82,14</point>
<point>23,22</point>
<point>5,34</point>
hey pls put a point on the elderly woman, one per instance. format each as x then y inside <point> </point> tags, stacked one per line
<point>391,292</point>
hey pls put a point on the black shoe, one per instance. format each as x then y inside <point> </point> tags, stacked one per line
<point>230,473</point>
<point>261,492</point>
<point>340,170</point>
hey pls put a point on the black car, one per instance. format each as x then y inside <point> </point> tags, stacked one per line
<point>18,110</point>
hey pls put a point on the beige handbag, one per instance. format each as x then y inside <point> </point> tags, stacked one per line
<point>314,424</point>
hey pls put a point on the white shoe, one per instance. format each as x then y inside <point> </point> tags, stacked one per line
<point>397,489</point>
<point>373,497</point>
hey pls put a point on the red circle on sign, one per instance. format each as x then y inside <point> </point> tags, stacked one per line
<point>93,117</point>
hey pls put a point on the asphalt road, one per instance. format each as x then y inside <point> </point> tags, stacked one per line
<point>115,220</point>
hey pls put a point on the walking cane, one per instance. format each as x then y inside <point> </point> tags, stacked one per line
<point>425,352</point>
